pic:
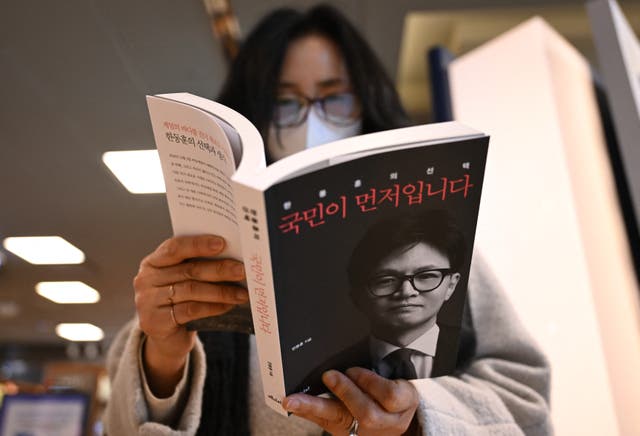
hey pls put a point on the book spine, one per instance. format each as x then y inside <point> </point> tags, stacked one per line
<point>254,237</point>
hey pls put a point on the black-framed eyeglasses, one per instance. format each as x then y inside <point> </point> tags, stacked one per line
<point>422,281</point>
<point>340,109</point>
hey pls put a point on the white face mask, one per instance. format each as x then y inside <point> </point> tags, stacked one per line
<point>313,132</point>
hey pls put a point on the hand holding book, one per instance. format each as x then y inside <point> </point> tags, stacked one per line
<point>176,284</point>
<point>362,399</point>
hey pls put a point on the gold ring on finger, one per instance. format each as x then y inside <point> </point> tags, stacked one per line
<point>172,293</point>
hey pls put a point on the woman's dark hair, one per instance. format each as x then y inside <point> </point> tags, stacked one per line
<point>251,85</point>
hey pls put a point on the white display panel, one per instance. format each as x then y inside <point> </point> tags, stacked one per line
<point>550,225</point>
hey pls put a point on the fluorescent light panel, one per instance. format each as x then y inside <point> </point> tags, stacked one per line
<point>139,171</point>
<point>44,250</point>
<point>79,332</point>
<point>68,292</point>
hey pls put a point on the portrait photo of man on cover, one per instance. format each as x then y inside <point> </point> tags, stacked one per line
<point>401,273</point>
<point>406,281</point>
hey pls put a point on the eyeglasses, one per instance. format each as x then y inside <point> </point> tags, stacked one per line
<point>340,109</point>
<point>422,281</point>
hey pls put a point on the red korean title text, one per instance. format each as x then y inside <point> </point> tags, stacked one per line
<point>396,195</point>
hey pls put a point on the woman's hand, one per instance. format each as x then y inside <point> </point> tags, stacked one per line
<point>381,406</point>
<point>171,289</point>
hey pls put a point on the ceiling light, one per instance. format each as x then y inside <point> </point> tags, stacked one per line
<point>68,292</point>
<point>138,170</point>
<point>44,250</point>
<point>81,332</point>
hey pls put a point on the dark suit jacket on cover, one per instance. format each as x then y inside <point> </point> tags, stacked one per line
<point>444,362</point>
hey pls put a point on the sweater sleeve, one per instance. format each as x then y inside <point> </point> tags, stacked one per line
<point>164,410</point>
<point>505,389</point>
<point>127,411</point>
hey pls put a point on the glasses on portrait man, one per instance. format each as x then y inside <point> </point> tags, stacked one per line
<point>423,281</point>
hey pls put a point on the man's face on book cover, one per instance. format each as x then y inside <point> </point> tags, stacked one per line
<point>407,310</point>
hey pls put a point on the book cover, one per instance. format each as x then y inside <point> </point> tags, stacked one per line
<point>316,221</point>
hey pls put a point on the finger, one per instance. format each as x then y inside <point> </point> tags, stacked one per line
<point>158,322</point>
<point>368,412</point>
<point>179,248</point>
<point>204,292</point>
<point>218,270</point>
<point>394,396</point>
<point>329,414</point>
<point>190,311</point>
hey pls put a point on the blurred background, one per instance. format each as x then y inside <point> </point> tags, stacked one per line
<point>73,76</point>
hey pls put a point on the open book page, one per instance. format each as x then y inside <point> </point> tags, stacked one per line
<point>197,164</point>
<point>210,142</point>
<point>245,139</point>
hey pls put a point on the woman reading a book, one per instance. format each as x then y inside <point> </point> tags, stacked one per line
<point>304,79</point>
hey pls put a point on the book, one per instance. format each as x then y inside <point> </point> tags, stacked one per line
<point>297,224</point>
